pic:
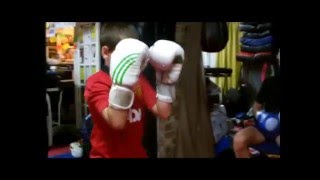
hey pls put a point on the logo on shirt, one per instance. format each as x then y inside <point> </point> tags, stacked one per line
<point>138,91</point>
<point>134,115</point>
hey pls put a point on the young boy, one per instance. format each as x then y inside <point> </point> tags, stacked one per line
<point>118,95</point>
<point>268,99</point>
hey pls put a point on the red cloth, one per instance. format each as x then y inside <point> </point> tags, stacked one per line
<point>105,141</point>
<point>58,150</point>
<point>248,54</point>
<point>251,57</point>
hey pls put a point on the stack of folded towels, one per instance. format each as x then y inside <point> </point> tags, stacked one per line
<point>256,42</point>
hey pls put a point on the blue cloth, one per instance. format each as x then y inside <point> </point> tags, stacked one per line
<point>241,115</point>
<point>268,148</point>
<point>256,42</point>
<point>65,156</point>
<point>247,27</point>
<point>51,72</point>
<point>86,129</point>
<point>224,143</point>
<point>270,136</point>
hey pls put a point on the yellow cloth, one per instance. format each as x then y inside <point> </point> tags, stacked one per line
<point>227,58</point>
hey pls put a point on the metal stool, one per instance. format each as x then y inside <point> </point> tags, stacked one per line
<point>59,104</point>
<point>49,121</point>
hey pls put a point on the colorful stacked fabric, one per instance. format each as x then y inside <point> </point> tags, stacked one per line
<point>256,42</point>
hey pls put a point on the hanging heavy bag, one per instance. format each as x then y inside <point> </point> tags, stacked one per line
<point>149,33</point>
<point>214,36</point>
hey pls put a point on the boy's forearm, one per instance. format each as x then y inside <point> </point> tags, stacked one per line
<point>116,118</point>
<point>163,109</point>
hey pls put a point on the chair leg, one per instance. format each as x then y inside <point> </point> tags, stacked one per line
<point>59,108</point>
<point>49,121</point>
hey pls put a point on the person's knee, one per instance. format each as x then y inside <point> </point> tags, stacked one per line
<point>240,142</point>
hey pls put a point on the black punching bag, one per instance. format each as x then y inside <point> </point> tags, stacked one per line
<point>214,36</point>
<point>166,31</point>
<point>149,33</point>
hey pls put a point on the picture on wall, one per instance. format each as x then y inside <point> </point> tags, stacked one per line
<point>81,55</point>
<point>93,50</point>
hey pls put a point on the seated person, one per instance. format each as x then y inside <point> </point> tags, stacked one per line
<point>268,99</point>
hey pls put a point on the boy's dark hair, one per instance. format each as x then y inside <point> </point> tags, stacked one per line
<point>112,33</point>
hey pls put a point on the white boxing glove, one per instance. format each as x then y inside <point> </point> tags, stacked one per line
<point>127,61</point>
<point>167,58</point>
